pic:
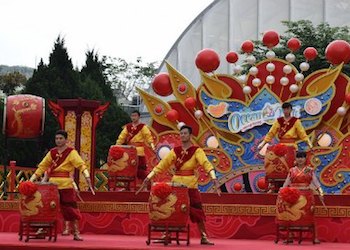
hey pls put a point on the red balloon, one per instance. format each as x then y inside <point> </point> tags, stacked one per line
<point>190,103</point>
<point>207,60</point>
<point>247,46</point>
<point>161,84</point>
<point>294,44</point>
<point>237,186</point>
<point>262,183</point>
<point>172,115</point>
<point>347,98</point>
<point>310,53</point>
<point>271,38</point>
<point>232,57</point>
<point>338,51</point>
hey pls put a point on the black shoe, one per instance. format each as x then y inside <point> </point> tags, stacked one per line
<point>205,241</point>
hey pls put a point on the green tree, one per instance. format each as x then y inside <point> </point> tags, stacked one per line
<point>11,82</point>
<point>124,76</point>
<point>317,36</point>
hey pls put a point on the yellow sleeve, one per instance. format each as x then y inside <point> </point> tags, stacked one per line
<point>202,159</point>
<point>272,132</point>
<point>43,165</point>
<point>76,160</point>
<point>122,137</point>
<point>301,131</point>
<point>147,135</point>
<point>164,164</point>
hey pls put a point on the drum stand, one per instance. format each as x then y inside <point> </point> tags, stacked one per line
<point>167,231</point>
<point>294,229</point>
<point>37,230</point>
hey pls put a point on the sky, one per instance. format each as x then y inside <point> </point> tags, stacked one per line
<point>117,28</point>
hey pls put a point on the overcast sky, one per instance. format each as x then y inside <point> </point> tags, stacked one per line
<point>119,28</point>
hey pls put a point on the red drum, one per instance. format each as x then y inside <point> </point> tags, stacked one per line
<point>299,214</point>
<point>126,166</point>
<point>278,161</point>
<point>43,206</point>
<point>24,116</point>
<point>169,205</point>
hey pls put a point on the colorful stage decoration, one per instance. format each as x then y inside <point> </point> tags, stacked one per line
<point>24,116</point>
<point>79,118</point>
<point>231,116</point>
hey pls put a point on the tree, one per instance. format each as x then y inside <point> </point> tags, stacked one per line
<point>11,82</point>
<point>124,76</point>
<point>310,36</point>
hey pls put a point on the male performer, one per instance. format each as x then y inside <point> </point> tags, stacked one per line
<point>59,164</point>
<point>288,129</point>
<point>138,135</point>
<point>186,159</point>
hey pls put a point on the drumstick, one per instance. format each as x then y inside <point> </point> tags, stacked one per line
<point>140,189</point>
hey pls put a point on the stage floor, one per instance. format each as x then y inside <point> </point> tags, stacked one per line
<point>99,242</point>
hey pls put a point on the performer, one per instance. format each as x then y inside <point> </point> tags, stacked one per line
<point>138,135</point>
<point>186,159</point>
<point>288,129</point>
<point>303,177</point>
<point>59,165</point>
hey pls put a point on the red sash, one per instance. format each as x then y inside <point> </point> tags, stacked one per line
<point>183,155</point>
<point>132,131</point>
<point>57,158</point>
<point>285,126</point>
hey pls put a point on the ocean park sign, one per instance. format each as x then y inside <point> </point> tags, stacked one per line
<point>246,119</point>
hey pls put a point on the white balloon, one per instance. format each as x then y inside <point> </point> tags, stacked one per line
<point>287,69</point>
<point>293,88</point>
<point>290,57</point>
<point>180,125</point>
<point>304,66</point>
<point>270,79</point>
<point>198,114</point>
<point>251,59</point>
<point>270,54</point>
<point>270,67</point>
<point>253,71</point>
<point>247,90</point>
<point>341,111</point>
<point>284,81</point>
<point>256,82</point>
<point>299,77</point>
<point>237,69</point>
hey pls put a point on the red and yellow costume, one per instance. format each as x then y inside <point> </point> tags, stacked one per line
<point>287,131</point>
<point>138,136</point>
<point>60,167</point>
<point>302,178</point>
<point>186,161</point>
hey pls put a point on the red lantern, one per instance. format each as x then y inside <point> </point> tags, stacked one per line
<point>190,103</point>
<point>271,38</point>
<point>247,46</point>
<point>237,186</point>
<point>161,84</point>
<point>337,52</point>
<point>232,57</point>
<point>310,53</point>
<point>172,115</point>
<point>262,183</point>
<point>347,99</point>
<point>207,60</point>
<point>294,44</point>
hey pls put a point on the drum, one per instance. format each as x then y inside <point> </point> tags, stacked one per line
<point>278,160</point>
<point>124,163</point>
<point>301,213</point>
<point>169,205</point>
<point>24,116</point>
<point>42,206</point>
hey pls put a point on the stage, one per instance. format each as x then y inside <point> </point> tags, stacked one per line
<point>231,216</point>
<point>9,241</point>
